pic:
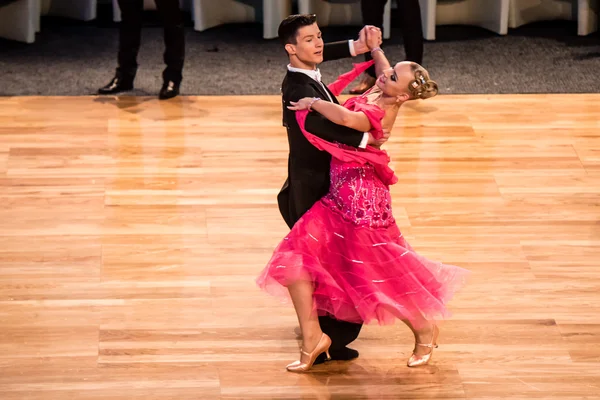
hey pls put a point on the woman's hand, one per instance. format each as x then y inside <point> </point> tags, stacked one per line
<point>377,143</point>
<point>304,103</point>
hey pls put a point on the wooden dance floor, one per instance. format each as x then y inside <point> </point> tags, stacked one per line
<point>132,230</point>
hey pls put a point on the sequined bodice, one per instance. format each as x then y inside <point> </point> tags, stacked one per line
<point>357,193</point>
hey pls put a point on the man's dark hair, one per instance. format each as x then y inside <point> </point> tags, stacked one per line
<point>288,28</point>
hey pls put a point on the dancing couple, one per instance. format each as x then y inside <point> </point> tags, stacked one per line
<point>345,262</point>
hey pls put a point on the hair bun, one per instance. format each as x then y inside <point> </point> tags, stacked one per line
<point>429,90</point>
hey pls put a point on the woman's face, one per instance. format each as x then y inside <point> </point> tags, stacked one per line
<point>406,80</point>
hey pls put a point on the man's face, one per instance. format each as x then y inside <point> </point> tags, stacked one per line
<point>309,45</point>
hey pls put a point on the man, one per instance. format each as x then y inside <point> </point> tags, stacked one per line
<point>130,32</point>
<point>411,27</point>
<point>308,167</point>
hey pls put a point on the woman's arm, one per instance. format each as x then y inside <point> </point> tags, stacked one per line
<point>334,112</point>
<point>316,123</point>
<point>381,61</point>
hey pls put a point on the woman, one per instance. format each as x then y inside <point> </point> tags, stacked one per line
<point>346,256</point>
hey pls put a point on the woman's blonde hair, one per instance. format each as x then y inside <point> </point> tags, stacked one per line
<point>422,87</point>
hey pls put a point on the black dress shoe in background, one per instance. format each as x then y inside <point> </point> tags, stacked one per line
<point>118,84</point>
<point>169,90</point>
<point>344,354</point>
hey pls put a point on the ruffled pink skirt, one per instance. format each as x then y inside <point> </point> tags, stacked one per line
<point>360,274</point>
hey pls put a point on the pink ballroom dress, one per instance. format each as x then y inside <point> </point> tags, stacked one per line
<point>349,246</point>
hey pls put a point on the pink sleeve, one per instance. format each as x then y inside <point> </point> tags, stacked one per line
<point>375,115</point>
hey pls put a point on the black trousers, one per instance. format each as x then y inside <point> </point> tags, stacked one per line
<point>342,333</point>
<point>410,26</point>
<point>130,33</point>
